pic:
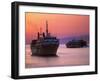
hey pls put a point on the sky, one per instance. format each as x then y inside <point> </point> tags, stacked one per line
<point>59,25</point>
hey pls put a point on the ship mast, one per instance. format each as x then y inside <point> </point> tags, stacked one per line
<point>46,28</point>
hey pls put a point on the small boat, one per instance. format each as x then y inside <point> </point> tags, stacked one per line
<point>76,44</point>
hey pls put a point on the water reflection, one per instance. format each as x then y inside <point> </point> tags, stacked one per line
<point>66,57</point>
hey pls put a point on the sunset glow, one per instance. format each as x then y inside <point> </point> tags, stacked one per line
<point>59,25</point>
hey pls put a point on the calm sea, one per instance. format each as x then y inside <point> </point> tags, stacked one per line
<point>66,57</point>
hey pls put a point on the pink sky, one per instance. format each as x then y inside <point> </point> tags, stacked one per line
<point>60,25</point>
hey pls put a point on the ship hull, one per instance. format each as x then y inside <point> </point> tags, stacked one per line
<point>45,50</point>
<point>76,44</point>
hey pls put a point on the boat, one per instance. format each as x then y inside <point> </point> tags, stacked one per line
<point>45,44</point>
<point>76,44</point>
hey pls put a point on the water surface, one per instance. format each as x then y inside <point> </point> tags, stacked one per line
<point>65,57</point>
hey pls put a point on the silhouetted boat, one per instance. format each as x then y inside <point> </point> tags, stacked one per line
<point>45,44</point>
<point>76,44</point>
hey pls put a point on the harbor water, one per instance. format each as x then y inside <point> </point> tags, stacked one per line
<point>65,57</point>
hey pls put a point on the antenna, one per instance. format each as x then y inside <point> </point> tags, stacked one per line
<point>46,27</point>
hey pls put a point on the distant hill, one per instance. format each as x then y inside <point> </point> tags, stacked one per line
<point>66,39</point>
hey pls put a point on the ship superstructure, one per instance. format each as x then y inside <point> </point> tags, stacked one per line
<point>45,44</point>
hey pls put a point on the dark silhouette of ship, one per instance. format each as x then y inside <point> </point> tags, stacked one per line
<point>45,44</point>
<point>76,44</point>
